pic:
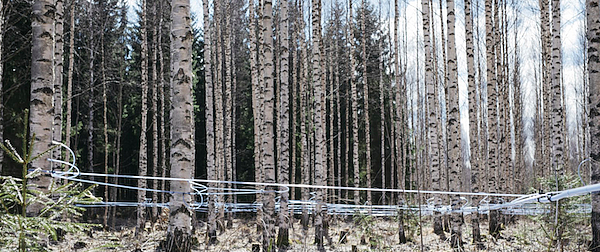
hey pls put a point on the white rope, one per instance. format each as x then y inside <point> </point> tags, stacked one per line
<point>522,201</point>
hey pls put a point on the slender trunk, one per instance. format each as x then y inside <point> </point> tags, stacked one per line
<point>354,97</point>
<point>454,137</point>
<point>443,132</point>
<point>330,138</point>
<point>210,130</point>
<point>473,181</point>
<point>521,172</point>
<point>58,77</point>
<point>228,122</point>
<point>304,121</point>
<point>295,71</point>
<point>220,162</point>
<point>593,50</point>
<point>70,78</point>
<point>120,83</point>
<point>161,94</point>
<point>398,116</point>
<point>546,86</point>
<point>284,130</point>
<point>154,119</point>
<point>1,91</point>
<point>91,84</point>
<point>366,100</point>
<point>256,100</point>
<point>432,116</point>
<point>267,139</point>
<point>382,113</point>
<point>492,147</point>
<point>319,125</point>
<point>105,125</point>
<point>338,87</point>
<point>556,90</point>
<point>117,164</point>
<point>143,152</point>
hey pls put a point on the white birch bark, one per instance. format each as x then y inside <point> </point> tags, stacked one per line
<point>179,233</point>
<point>284,130</point>
<point>593,50</point>
<point>143,151</point>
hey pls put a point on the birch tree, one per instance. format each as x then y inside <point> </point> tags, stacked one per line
<point>69,93</point>
<point>398,120</point>
<point>593,50</point>
<point>267,138</point>
<point>455,158</point>
<point>366,99</point>
<point>1,90</point>
<point>319,125</point>
<point>41,113</point>
<point>154,109</point>
<point>143,152</point>
<point>58,75</point>
<point>492,113</point>
<point>354,97</point>
<point>284,135</point>
<point>557,90</point>
<point>210,131</point>
<point>432,118</point>
<point>179,233</point>
<point>473,119</point>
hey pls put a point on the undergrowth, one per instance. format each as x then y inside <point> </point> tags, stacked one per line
<point>18,230</point>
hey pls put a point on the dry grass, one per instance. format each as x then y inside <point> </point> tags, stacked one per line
<point>379,234</point>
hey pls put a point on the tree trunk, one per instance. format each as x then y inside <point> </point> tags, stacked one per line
<point>117,164</point>
<point>220,99</point>
<point>473,181</point>
<point>91,84</point>
<point>556,90</point>
<point>366,101</point>
<point>267,139</point>
<point>1,91</point>
<point>104,126</point>
<point>492,147</point>
<point>304,121</point>
<point>338,87</point>
<point>179,234</point>
<point>295,71</point>
<point>210,131</point>
<point>354,97</point>
<point>546,86</point>
<point>118,133</point>
<point>455,171</point>
<point>256,100</point>
<point>163,105</point>
<point>432,117</point>
<point>319,125</point>
<point>41,114</point>
<point>398,116</point>
<point>70,79</point>
<point>58,77</point>
<point>382,113</point>
<point>227,122</point>
<point>593,50</point>
<point>154,120</point>
<point>284,131</point>
<point>143,153</point>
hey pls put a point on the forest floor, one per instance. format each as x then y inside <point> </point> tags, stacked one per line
<point>377,234</point>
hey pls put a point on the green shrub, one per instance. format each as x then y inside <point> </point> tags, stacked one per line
<point>59,203</point>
